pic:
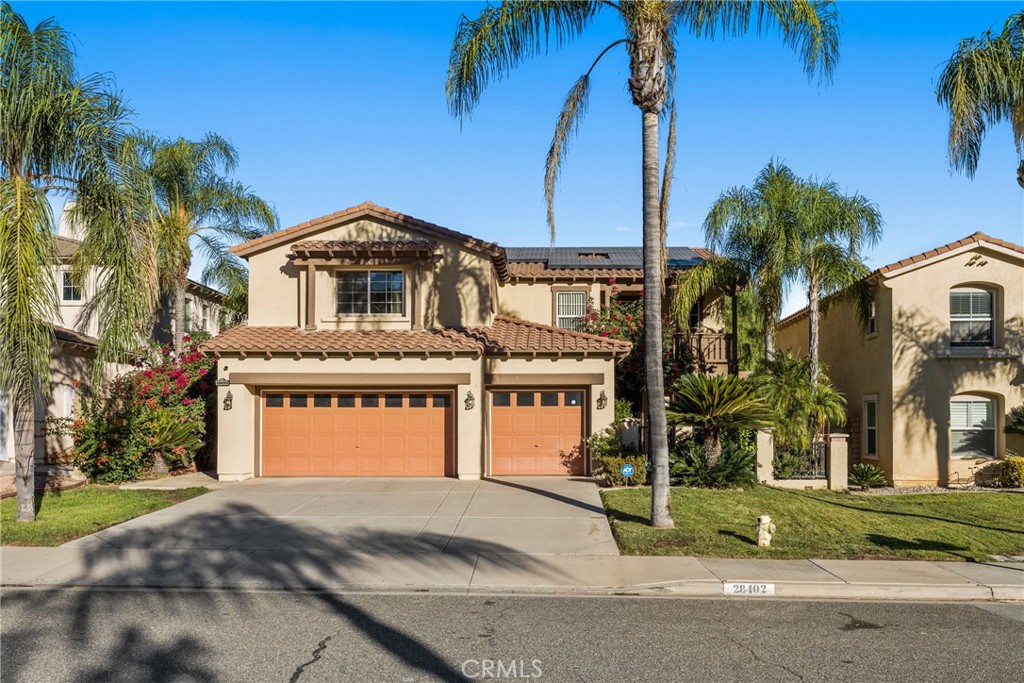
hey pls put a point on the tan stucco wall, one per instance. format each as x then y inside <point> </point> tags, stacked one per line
<point>858,365</point>
<point>535,301</point>
<point>912,367</point>
<point>455,291</point>
<point>238,428</point>
<point>926,373</point>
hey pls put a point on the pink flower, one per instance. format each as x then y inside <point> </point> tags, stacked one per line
<point>186,401</point>
<point>604,334</point>
<point>202,371</point>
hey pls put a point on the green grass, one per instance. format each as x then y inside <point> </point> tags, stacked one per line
<point>65,516</point>
<point>822,524</point>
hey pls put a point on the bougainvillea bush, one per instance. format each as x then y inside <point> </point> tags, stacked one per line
<point>625,320</point>
<point>157,412</point>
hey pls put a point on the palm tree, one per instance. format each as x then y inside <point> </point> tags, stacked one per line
<point>491,45</point>
<point>754,231</point>
<point>983,85</point>
<point>57,132</point>
<point>833,230</point>
<point>714,274</point>
<point>801,411</point>
<point>198,207</point>
<point>714,404</point>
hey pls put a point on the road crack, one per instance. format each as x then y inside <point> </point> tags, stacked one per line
<point>726,631</point>
<point>317,654</point>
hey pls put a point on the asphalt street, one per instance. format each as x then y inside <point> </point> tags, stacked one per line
<point>119,635</point>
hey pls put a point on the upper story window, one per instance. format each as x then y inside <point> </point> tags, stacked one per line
<point>570,309</point>
<point>69,291</point>
<point>204,319</point>
<point>370,292</point>
<point>188,315</point>
<point>872,319</point>
<point>970,317</point>
<point>972,426</point>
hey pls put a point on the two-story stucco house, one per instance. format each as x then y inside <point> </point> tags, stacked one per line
<point>379,344</point>
<point>931,376</point>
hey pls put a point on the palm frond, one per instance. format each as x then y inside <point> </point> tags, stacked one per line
<point>488,47</point>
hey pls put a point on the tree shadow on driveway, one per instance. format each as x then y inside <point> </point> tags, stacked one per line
<point>221,550</point>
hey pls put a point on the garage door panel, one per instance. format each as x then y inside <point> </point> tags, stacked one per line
<point>353,434</point>
<point>536,432</point>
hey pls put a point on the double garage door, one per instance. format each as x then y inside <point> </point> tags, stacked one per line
<point>346,434</point>
<point>381,434</point>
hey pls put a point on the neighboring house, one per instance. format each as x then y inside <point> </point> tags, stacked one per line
<point>76,342</point>
<point>930,376</point>
<point>379,344</point>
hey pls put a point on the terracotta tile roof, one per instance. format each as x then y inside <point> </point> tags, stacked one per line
<point>976,238</point>
<point>529,270</point>
<point>66,246</point>
<point>370,209</point>
<point>507,336</point>
<point>258,340</point>
<point>512,336</point>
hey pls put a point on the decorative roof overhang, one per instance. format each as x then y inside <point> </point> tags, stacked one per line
<point>353,251</point>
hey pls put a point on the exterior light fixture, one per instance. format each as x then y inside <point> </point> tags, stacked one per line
<point>470,400</point>
<point>228,398</point>
<point>602,400</point>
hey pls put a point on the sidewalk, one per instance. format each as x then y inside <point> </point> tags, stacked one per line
<point>509,573</point>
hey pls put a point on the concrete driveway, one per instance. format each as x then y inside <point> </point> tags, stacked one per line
<point>527,515</point>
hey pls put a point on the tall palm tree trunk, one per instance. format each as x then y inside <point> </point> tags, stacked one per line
<point>25,455</point>
<point>712,447</point>
<point>179,315</point>
<point>769,338</point>
<point>660,516</point>
<point>813,314</point>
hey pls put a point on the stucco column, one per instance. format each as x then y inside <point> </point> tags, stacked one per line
<point>470,436</point>
<point>838,449</point>
<point>765,456</point>
<point>236,442</point>
<point>310,297</point>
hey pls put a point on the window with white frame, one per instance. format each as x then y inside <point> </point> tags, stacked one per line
<point>872,319</point>
<point>972,427</point>
<point>570,309</point>
<point>870,449</point>
<point>69,291</point>
<point>370,292</point>
<point>970,317</point>
<point>204,319</point>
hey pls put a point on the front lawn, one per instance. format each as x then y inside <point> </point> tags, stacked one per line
<point>62,517</point>
<point>822,524</point>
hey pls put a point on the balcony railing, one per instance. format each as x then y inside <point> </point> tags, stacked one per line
<point>712,350</point>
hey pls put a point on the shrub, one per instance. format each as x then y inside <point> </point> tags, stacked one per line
<point>623,410</point>
<point>610,454</point>
<point>158,409</point>
<point>799,414</point>
<point>1015,420</point>
<point>714,404</point>
<point>736,467</point>
<point>785,464</point>
<point>867,476</point>
<point>1012,475</point>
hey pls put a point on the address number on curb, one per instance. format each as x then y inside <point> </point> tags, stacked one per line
<point>750,588</point>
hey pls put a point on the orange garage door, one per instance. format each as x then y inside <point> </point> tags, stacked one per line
<point>346,434</point>
<point>536,432</point>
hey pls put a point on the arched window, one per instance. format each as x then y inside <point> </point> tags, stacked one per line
<point>970,317</point>
<point>972,427</point>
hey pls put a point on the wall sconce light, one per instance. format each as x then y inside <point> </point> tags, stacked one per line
<point>228,398</point>
<point>470,400</point>
<point>602,400</point>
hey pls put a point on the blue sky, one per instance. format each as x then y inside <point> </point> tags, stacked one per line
<point>331,104</point>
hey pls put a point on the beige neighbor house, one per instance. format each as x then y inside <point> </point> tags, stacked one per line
<point>378,344</point>
<point>932,375</point>
<point>75,346</point>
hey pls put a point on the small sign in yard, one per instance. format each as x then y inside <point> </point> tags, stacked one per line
<point>749,588</point>
<point>627,470</point>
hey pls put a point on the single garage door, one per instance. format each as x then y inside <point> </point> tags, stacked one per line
<point>362,434</point>
<point>537,432</point>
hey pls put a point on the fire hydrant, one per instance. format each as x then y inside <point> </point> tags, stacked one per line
<point>764,530</point>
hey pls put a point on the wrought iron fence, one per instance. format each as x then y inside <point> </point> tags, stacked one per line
<point>804,464</point>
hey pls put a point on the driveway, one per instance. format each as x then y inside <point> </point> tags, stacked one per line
<point>508,515</point>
